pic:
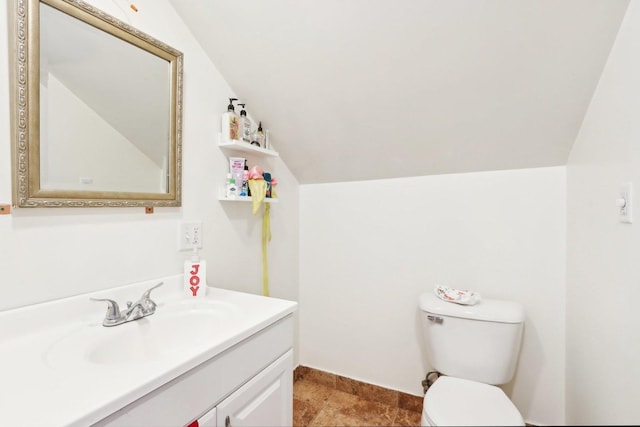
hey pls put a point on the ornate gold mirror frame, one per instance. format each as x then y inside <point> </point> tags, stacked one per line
<point>25,44</point>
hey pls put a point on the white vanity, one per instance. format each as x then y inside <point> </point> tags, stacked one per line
<point>223,360</point>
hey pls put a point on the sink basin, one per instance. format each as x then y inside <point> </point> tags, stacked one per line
<point>175,326</point>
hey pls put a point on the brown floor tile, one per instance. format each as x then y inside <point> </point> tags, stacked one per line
<point>373,413</point>
<point>367,391</point>
<point>328,418</point>
<point>303,412</point>
<point>410,402</point>
<point>379,394</point>
<point>407,418</point>
<point>321,377</point>
<point>347,385</point>
<point>310,392</point>
<point>324,399</point>
<point>299,372</point>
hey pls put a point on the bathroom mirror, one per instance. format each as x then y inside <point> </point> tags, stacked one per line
<point>96,109</point>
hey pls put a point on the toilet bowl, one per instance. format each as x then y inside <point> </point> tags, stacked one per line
<point>454,401</point>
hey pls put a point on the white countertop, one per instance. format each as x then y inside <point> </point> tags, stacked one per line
<point>42,383</point>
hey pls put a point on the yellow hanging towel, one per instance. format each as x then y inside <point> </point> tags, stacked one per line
<point>258,191</point>
<point>266,237</point>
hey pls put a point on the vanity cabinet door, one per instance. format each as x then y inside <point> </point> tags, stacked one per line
<point>207,420</point>
<point>266,400</point>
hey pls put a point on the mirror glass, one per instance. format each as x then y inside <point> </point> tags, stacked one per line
<point>103,110</point>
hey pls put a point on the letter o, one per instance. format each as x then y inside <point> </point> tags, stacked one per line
<point>194,280</point>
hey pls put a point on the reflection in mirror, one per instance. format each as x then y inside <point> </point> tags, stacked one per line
<point>103,110</point>
<point>89,136</point>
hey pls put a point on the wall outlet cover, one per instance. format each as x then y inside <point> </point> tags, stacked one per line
<point>189,235</point>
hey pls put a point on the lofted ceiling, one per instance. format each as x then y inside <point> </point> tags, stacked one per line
<point>373,89</point>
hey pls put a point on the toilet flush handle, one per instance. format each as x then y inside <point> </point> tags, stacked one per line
<point>436,319</point>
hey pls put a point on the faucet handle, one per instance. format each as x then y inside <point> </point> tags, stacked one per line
<point>146,293</point>
<point>113,311</point>
<point>148,304</point>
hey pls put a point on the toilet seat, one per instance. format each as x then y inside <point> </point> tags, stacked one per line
<point>458,402</point>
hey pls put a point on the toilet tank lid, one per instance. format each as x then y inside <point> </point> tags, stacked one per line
<point>490,310</point>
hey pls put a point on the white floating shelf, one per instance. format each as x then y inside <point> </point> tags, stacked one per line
<point>245,147</point>
<point>247,199</point>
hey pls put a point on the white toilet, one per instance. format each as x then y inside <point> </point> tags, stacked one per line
<point>474,348</point>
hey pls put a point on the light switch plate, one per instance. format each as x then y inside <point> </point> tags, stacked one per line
<point>189,235</point>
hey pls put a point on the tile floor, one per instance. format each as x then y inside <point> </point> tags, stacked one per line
<point>324,399</point>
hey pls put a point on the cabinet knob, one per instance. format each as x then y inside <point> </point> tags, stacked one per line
<point>227,422</point>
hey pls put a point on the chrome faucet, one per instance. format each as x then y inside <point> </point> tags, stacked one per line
<point>145,306</point>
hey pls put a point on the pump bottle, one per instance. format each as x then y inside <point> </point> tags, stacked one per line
<point>195,276</point>
<point>230,124</point>
<point>245,125</point>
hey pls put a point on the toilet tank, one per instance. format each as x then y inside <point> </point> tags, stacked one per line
<point>478,342</point>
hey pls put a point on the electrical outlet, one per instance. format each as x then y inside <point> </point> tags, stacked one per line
<point>189,235</point>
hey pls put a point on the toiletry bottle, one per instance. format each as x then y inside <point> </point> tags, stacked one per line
<point>267,178</point>
<point>230,123</point>
<point>195,276</point>
<point>258,136</point>
<point>231,191</point>
<point>245,125</point>
<point>233,188</point>
<point>236,168</point>
<point>246,171</point>
<point>245,181</point>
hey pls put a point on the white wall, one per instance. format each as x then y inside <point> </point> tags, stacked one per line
<point>603,273</point>
<point>368,249</point>
<point>47,254</point>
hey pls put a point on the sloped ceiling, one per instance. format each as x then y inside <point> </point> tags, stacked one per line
<point>370,89</point>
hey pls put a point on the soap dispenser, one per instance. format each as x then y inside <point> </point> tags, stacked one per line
<point>245,125</point>
<point>230,124</point>
<point>195,276</point>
